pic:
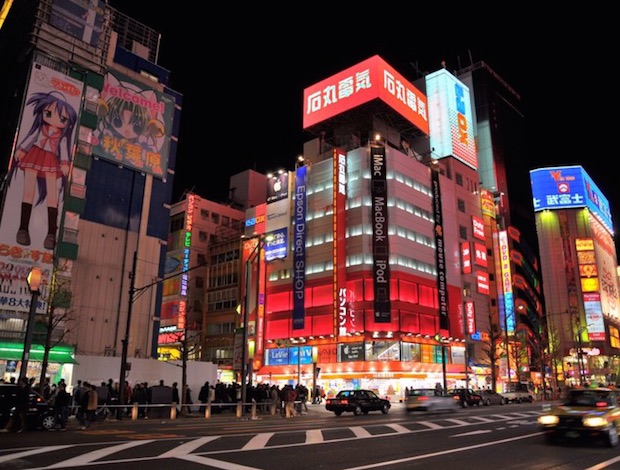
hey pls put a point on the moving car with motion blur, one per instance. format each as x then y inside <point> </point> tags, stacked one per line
<point>430,399</point>
<point>586,415</point>
<point>357,402</point>
<point>491,397</point>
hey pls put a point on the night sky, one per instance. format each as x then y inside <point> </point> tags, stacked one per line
<point>242,73</point>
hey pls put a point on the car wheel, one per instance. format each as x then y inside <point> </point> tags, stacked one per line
<point>612,436</point>
<point>337,413</point>
<point>465,404</point>
<point>48,422</point>
<point>357,411</point>
<point>518,400</point>
<point>385,409</point>
<point>487,402</point>
<point>502,401</point>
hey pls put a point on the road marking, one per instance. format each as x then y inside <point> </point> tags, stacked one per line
<point>482,419</point>
<point>188,447</point>
<point>314,436</point>
<point>472,433</point>
<point>259,441</point>
<point>360,431</point>
<point>398,428</point>
<point>85,459</point>
<point>460,422</point>
<point>208,462</point>
<point>430,424</point>
<point>443,452</point>
<point>27,453</point>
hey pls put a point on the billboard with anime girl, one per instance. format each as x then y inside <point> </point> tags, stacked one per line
<point>37,177</point>
<point>134,125</point>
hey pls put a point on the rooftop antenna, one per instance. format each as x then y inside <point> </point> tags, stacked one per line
<point>471,59</point>
<point>417,69</point>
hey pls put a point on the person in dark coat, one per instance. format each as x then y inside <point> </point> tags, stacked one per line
<point>22,402</point>
<point>61,406</point>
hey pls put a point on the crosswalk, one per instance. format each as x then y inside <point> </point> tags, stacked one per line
<point>204,449</point>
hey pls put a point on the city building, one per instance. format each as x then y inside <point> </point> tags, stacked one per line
<point>518,308</point>
<point>579,265</point>
<point>84,95</point>
<point>357,275</point>
<point>201,282</point>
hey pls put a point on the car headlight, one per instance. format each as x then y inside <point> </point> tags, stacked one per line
<point>548,420</point>
<point>595,422</point>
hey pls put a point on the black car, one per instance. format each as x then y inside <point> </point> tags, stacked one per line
<point>40,413</point>
<point>357,402</point>
<point>467,397</point>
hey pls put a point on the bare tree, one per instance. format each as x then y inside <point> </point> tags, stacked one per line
<point>188,344</point>
<point>493,349</point>
<point>57,322</point>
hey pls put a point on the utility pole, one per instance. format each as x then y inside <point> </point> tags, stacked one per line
<point>125,340</point>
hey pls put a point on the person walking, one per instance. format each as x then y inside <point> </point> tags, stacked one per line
<point>175,397</point>
<point>90,401</point>
<point>22,402</point>
<point>61,406</point>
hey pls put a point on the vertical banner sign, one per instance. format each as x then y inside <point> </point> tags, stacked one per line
<point>343,316</point>
<point>35,184</point>
<point>380,242</point>
<point>440,254</point>
<point>299,243</point>
<point>260,320</point>
<point>506,289</point>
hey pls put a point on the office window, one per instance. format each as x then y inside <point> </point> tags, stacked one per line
<point>463,232</point>
<point>204,214</point>
<point>460,205</point>
<point>459,179</point>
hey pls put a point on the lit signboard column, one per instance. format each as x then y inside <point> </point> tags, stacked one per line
<point>380,240</point>
<point>299,243</point>
<point>440,255</point>
<point>344,321</point>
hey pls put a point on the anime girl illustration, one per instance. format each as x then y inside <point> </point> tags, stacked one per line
<point>130,128</point>
<point>44,156</point>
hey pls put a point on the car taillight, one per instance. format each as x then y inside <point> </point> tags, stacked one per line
<point>344,402</point>
<point>456,397</point>
<point>423,398</point>
<point>601,404</point>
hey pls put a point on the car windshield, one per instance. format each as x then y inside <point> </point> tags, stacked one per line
<point>590,398</point>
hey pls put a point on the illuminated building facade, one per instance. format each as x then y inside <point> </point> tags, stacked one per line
<point>387,267</point>
<point>574,225</point>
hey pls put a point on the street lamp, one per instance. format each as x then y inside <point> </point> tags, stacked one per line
<point>34,281</point>
<point>443,341</point>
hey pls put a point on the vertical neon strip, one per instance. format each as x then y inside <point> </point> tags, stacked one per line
<point>344,322</point>
<point>299,243</point>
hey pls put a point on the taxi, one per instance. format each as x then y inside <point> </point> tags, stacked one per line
<point>586,415</point>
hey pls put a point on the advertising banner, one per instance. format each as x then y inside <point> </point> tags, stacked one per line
<point>299,244</point>
<point>440,253</point>
<point>37,176</point>
<point>380,239</point>
<point>134,125</point>
<point>367,81</point>
<point>569,187</point>
<point>344,316</point>
<point>79,18</point>
<point>450,118</point>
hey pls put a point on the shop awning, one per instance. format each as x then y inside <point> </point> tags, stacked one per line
<point>61,354</point>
